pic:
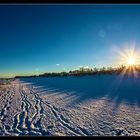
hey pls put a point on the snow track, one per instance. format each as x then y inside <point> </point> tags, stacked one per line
<point>29,110</point>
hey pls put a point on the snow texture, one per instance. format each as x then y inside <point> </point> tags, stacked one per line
<point>102,105</point>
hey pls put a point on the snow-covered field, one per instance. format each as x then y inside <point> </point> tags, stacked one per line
<point>102,105</point>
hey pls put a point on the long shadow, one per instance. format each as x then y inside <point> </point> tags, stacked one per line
<point>124,89</point>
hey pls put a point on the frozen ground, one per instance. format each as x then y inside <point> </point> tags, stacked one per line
<point>71,106</point>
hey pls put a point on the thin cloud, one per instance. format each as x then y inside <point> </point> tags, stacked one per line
<point>80,66</point>
<point>86,67</point>
<point>57,64</point>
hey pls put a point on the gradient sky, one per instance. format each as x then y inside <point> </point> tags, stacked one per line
<point>44,38</point>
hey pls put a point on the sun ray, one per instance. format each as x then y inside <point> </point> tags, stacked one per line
<point>130,58</point>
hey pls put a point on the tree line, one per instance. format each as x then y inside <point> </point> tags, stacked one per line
<point>88,71</point>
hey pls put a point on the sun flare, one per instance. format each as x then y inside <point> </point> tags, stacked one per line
<point>129,57</point>
<point>131,61</point>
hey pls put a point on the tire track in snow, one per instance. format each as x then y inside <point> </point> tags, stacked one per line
<point>24,124</point>
<point>36,109</point>
<point>38,114</point>
<point>15,124</point>
<point>21,124</point>
<point>64,121</point>
<point>61,119</point>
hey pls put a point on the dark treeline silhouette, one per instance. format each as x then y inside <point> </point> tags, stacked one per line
<point>89,71</point>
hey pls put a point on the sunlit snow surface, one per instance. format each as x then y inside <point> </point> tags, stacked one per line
<point>101,105</point>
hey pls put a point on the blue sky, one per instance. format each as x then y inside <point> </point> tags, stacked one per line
<point>45,38</point>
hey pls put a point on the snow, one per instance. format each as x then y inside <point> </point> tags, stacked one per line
<point>99,105</point>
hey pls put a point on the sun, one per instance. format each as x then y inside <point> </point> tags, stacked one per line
<point>129,58</point>
<point>131,61</point>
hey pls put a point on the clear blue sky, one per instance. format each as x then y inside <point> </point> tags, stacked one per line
<point>44,38</point>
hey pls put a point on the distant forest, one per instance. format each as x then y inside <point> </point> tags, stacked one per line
<point>89,71</point>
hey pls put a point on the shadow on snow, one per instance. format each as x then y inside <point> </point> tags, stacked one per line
<point>120,89</point>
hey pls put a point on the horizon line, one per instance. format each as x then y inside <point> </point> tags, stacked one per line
<point>66,71</point>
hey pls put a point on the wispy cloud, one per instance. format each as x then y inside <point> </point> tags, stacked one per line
<point>57,64</point>
<point>80,66</point>
<point>86,67</point>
